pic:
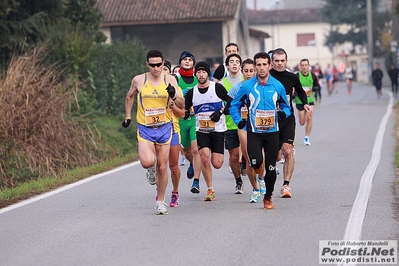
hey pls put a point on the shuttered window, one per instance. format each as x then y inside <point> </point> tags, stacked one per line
<point>305,39</point>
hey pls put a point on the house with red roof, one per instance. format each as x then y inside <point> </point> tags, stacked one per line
<point>200,26</point>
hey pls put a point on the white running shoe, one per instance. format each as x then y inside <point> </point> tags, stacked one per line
<point>182,160</point>
<point>239,188</point>
<point>160,206</point>
<point>151,175</point>
<point>255,196</point>
<point>262,185</point>
<point>306,141</point>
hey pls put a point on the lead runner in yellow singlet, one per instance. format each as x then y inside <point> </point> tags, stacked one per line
<point>155,90</point>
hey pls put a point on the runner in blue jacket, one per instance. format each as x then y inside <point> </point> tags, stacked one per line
<point>267,104</point>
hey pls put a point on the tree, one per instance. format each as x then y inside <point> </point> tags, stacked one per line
<point>24,23</point>
<point>84,12</point>
<point>348,20</point>
<point>111,73</point>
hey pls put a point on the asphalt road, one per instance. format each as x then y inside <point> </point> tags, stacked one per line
<point>109,219</point>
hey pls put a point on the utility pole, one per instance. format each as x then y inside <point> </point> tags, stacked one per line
<point>395,33</point>
<point>370,44</point>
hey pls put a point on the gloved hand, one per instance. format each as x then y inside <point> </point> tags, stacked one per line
<point>215,116</point>
<point>242,124</point>
<point>226,111</point>
<point>126,122</point>
<point>171,91</point>
<point>186,115</point>
<point>281,115</point>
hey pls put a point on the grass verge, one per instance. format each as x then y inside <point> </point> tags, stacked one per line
<point>42,185</point>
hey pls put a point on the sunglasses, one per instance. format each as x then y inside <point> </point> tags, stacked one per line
<point>155,65</point>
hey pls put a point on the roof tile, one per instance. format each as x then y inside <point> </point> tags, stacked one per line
<point>162,11</point>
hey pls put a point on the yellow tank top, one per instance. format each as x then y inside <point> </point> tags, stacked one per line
<point>153,104</point>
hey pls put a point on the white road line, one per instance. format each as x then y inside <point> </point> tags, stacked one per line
<point>59,190</point>
<point>355,223</point>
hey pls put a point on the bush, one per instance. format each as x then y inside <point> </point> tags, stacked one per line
<point>36,137</point>
<point>111,72</point>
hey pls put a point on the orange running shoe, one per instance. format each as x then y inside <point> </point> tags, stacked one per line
<point>268,204</point>
<point>285,192</point>
<point>210,195</point>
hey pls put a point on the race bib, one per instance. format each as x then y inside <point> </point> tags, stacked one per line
<point>264,120</point>
<point>205,123</point>
<point>155,116</point>
<point>244,112</point>
<point>308,91</point>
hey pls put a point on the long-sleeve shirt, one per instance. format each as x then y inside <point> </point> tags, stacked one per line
<point>206,101</point>
<point>261,100</point>
<point>289,81</point>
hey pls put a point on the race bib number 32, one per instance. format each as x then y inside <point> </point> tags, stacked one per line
<point>155,116</point>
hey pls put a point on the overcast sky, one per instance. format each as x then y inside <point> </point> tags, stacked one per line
<point>261,4</point>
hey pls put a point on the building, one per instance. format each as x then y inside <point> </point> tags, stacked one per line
<point>302,33</point>
<point>172,26</point>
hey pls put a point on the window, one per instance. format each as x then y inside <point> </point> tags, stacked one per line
<point>305,39</point>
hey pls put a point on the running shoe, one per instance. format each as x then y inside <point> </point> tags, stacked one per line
<point>285,192</point>
<point>195,187</point>
<point>255,196</point>
<point>306,141</point>
<point>277,171</point>
<point>183,160</point>
<point>262,185</point>
<point>190,171</point>
<point>151,175</point>
<point>268,204</point>
<point>174,200</point>
<point>210,195</point>
<point>160,206</point>
<point>239,188</point>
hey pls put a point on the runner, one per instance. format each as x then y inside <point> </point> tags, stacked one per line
<point>308,81</point>
<point>208,98</point>
<point>232,142</point>
<point>287,127</point>
<point>261,95</point>
<point>248,70</point>
<point>187,80</point>
<point>155,91</point>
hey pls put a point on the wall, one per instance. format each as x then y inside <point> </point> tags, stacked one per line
<point>285,37</point>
